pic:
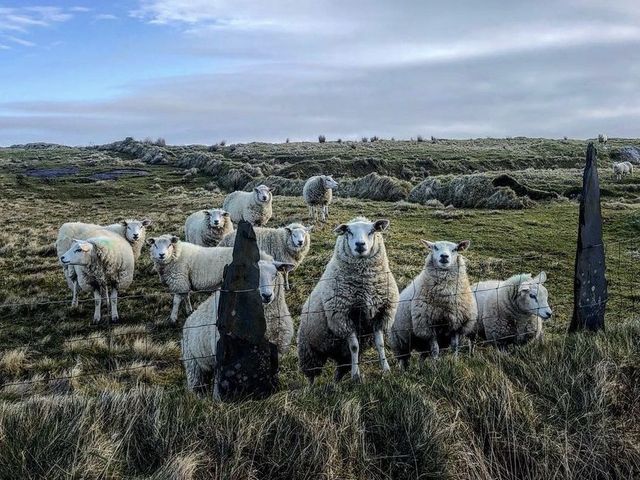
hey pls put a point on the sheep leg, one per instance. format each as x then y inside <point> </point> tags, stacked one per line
<point>379,341</point>
<point>74,299</point>
<point>97,299</point>
<point>195,379</point>
<point>341,371</point>
<point>435,348</point>
<point>286,281</point>
<point>187,304</point>
<point>114,306</point>
<point>177,298</point>
<point>455,343</point>
<point>325,212</point>
<point>354,348</point>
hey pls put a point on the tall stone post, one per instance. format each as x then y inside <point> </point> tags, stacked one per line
<point>589,284</point>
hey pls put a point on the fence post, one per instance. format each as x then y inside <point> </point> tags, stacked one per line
<point>247,363</point>
<point>589,284</point>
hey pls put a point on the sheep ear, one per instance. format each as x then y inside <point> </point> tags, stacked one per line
<point>463,245</point>
<point>524,287</point>
<point>225,213</point>
<point>174,239</point>
<point>428,244</point>
<point>257,190</point>
<point>151,241</point>
<point>283,267</point>
<point>207,213</point>
<point>341,229</point>
<point>288,230</point>
<point>146,222</point>
<point>83,245</point>
<point>123,223</point>
<point>541,278</point>
<point>381,225</point>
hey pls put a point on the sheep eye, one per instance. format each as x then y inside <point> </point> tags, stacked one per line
<point>531,295</point>
<point>78,250</point>
<point>435,248</point>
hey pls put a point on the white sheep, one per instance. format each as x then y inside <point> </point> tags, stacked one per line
<point>356,296</point>
<point>437,305</point>
<point>602,138</point>
<point>184,267</point>
<point>102,263</point>
<point>134,231</point>
<point>318,193</point>
<point>621,169</point>
<point>207,227</point>
<point>253,207</point>
<point>288,244</point>
<point>512,310</point>
<point>200,334</point>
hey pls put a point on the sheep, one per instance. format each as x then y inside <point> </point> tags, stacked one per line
<point>602,138</point>
<point>621,169</point>
<point>254,207</point>
<point>207,227</point>
<point>200,334</point>
<point>134,231</point>
<point>437,305</point>
<point>102,262</point>
<point>288,244</point>
<point>184,267</point>
<point>356,296</point>
<point>511,311</point>
<point>318,192</point>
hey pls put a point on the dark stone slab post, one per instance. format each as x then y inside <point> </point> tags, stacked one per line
<point>247,363</point>
<point>589,285</point>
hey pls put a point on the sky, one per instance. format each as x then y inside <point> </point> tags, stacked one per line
<point>201,71</point>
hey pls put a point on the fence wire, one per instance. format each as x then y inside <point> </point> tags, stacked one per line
<point>624,298</point>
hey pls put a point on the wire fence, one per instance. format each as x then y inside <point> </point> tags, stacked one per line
<point>622,297</point>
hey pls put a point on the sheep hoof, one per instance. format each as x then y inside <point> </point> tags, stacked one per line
<point>357,378</point>
<point>115,319</point>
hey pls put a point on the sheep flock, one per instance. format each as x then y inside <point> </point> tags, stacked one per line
<point>356,305</point>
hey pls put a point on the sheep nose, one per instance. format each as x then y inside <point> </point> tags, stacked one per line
<point>300,242</point>
<point>444,258</point>
<point>161,255</point>
<point>135,236</point>
<point>359,246</point>
<point>62,258</point>
<point>216,222</point>
<point>266,297</point>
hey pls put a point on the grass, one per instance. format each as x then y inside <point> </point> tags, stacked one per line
<point>99,402</point>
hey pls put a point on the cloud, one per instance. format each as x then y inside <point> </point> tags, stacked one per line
<point>21,21</point>
<point>105,16</point>
<point>276,69</point>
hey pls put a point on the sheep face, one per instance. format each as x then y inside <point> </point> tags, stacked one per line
<point>162,248</point>
<point>134,229</point>
<point>78,254</point>
<point>362,237</point>
<point>216,218</point>
<point>263,193</point>
<point>444,255</point>
<point>534,298</point>
<point>269,278</point>
<point>297,236</point>
<point>329,182</point>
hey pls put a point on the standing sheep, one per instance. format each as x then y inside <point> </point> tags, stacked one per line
<point>184,267</point>
<point>621,169</point>
<point>200,334</point>
<point>602,138</point>
<point>102,263</point>
<point>437,305</point>
<point>318,193</point>
<point>253,207</point>
<point>356,296</point>
<point>134,231</point>
<point>512,310</point>
<point>207,227</point>
<point>288,244</point>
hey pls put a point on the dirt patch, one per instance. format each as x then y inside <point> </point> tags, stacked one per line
<point>52,172</point>
<point>122,172</point>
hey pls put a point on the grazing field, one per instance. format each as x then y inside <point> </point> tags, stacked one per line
<point>85,401</point>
